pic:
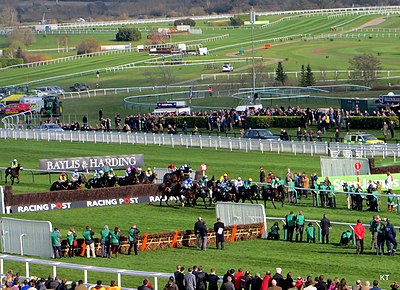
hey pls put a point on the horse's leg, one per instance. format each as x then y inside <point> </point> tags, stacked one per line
<point>18,179</point>
<point>273,202</point>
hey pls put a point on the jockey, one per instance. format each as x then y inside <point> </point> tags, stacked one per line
<point>188,183</point>
<point>203,181</point>
<point>100,173</point>
<point>248,183</point>
<point>85,170</point>
<point>239,182</point>
<point>63,177</point>
<point>128,171</point>
<point>275,182</point>
<point>226,183</point>
<point>148,172</point>
<point>75,175</point>
<point>111,174</point>
<point>14,164</point>
<point>106,168</point>
<point>171,167</point>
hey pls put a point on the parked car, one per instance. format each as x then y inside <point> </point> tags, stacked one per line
<point>50,127</point>
<point>51,90</point>
<point>12,109</point>
<point>77,87</point>
<point>227,68</point>
<point>260,134</point>
<point>361,138</point>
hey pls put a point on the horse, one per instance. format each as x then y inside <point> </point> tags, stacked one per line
<point>191,194</point>
<point>272,194</point>
<point>14,173</point>
<point>58,185</point>
<point>132,178</point>
<point>149,179</point>
<point>173,177</point>
<point>248,194</point>
<point>170,190</point>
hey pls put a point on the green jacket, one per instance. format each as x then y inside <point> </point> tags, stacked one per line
<point>274,229</point>
<point>114,238</point>
<point>55,239</point>
<point>300,220</point>
<point>105,236</point>
<point>310,230</point>
<point>290,219</point>
<point>88,235</point>
<point>70,238</point>
<point>132,235</point>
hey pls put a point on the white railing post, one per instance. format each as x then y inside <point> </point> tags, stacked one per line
<point>26,269</point>
<point>85,279</point>
<point>119,280</point>
<point>155,283</point>
<point>54,271</point>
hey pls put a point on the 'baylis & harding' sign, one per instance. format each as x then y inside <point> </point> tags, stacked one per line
<point>91,163</point>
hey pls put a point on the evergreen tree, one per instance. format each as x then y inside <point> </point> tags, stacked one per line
<point>302,79</point>
<point>280,75</point>
<point>310,79</point>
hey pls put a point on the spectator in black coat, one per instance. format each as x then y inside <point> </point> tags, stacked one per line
<point>256,282</point>
<point>201,279</point>
<point>278,277</point>
<point>212,279</point>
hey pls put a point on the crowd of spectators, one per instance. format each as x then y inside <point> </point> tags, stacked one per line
<point>228,119</point>
<point>17,282</point>
<point>196,279</point>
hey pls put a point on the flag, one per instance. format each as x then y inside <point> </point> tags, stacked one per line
<point>190,93</point>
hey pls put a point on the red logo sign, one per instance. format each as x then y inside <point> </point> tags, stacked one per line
<point>203,167</point>
<point>357,166</point>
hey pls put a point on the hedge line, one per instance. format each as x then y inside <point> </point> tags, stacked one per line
<point>274,121</point>
<point>4,62</point>
<point>286,122</point>
<point>371,122</point>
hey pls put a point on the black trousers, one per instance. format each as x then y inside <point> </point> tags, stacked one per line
<point>135,247</point>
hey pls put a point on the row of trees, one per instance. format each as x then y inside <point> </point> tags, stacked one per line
<point>306,76</point>
<point>363,71</point>
<point>29,11</point>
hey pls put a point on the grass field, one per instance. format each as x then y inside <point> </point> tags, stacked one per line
<point>258,255</point>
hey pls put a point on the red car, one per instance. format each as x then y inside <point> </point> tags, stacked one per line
<point>16,108</point>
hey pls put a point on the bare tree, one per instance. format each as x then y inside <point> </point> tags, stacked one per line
<point>364,68</point>
<point>8,16</point>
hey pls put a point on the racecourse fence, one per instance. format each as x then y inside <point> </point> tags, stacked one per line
<point>67,58</point>
<point>318,226</point>
<point>321,74</point>
<point>85,270</point>
<point>199,141</point>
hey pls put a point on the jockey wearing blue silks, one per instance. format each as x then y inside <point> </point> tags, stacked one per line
<point>188,183</point>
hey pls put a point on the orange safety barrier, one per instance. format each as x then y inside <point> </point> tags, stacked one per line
<point>175,239</point>
<point>144,242</point>
<point>83,249</point>
<point>262,230</point>
<point>267,46</point>
<point>233,235</point>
